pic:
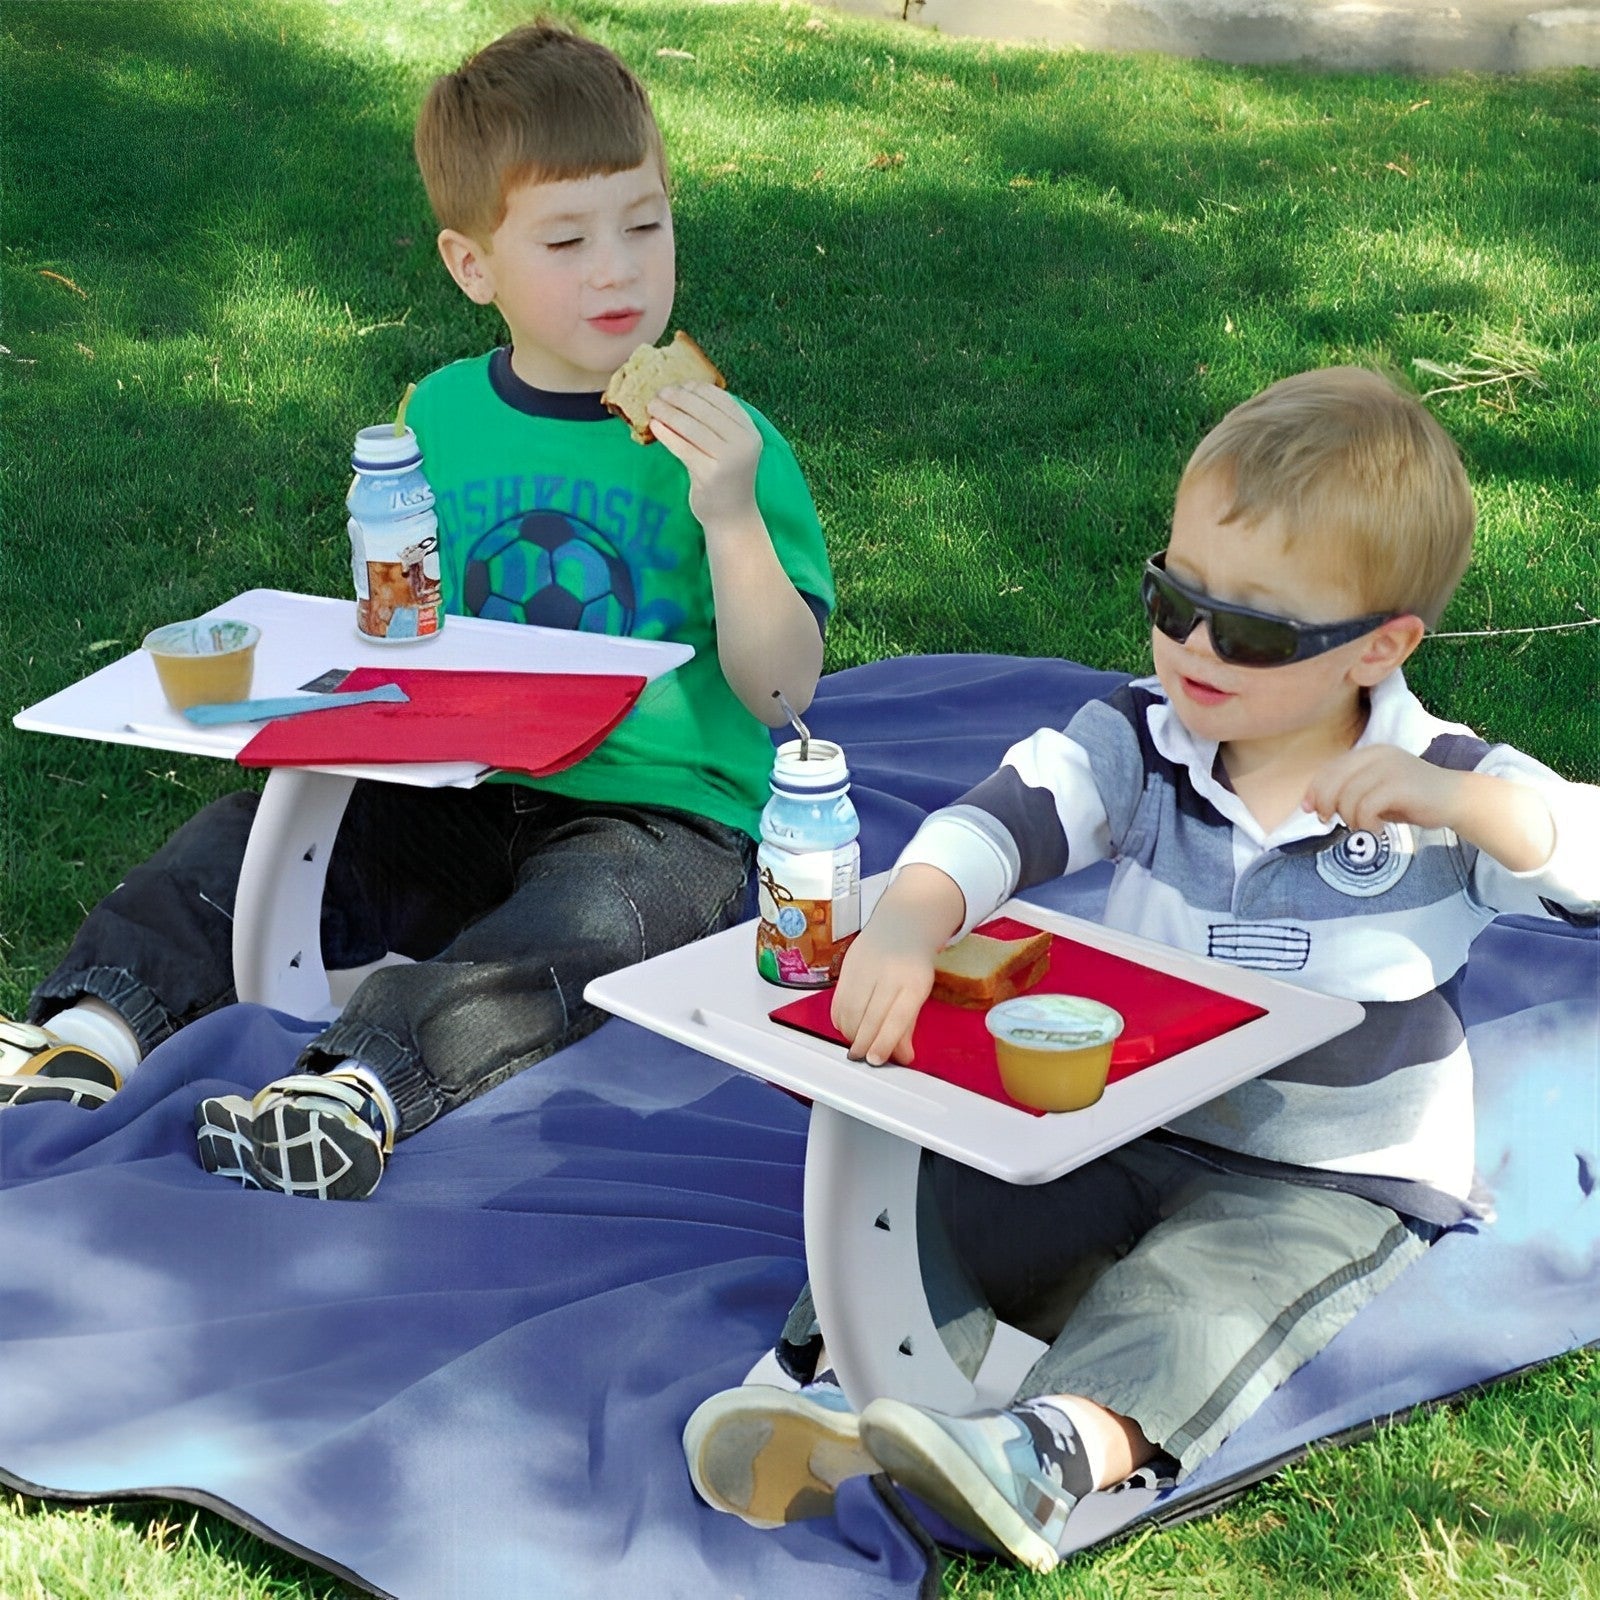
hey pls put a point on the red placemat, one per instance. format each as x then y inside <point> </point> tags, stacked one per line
<point>532,722</point>
<point>1164,1015</point>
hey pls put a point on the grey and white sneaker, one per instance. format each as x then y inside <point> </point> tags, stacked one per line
<point>36,1065</point>
<point>311,1134</point>
<point>982,1473</point>
<point>774,1455</point>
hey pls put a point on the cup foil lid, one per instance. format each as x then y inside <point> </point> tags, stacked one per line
<point>1054,1022</point>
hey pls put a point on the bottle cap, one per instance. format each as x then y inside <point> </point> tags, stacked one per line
<point>381,449</point>
<point>823,771</point>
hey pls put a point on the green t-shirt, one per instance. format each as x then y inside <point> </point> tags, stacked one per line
<point>550,513</point>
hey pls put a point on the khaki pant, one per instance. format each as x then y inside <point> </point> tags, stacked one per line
<point>1168,1291</point>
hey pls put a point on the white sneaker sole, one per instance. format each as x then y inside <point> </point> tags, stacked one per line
<point>771,1456</point>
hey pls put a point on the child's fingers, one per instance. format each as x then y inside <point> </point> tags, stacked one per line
<point>1328,790</point>
<point>1364,802</point>
<point>713,405</point>
<point>852,1000</point>
<point>868,1023</point>
<point>884,1027</point>
<point>1366,808</point>
<point>1374,792</point>
<point>1377,784</point>
<point>893,1038</point>
<point>904,1052</point>
<point>695,430</point>
<point>669,429</point>
<point>712,421</point>
<point>1322,792</point>
<point>704,414</point>
<point>666,434</point>
<point>848,1004</point>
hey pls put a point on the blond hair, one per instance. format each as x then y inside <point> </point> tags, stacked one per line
<point>541,104</point>
<point>1349,461</point>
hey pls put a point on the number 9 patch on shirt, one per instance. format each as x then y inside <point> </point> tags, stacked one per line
<point>1363,863</point>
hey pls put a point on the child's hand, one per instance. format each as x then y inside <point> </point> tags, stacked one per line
<point>713,436</point>
<point>1382,783</point>
<point>887,974</point>
<point>888,969</point>
<point>1378,784</point>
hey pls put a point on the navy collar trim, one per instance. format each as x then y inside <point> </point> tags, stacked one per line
<point>523,397</point>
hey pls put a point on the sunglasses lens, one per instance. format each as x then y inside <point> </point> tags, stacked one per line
<point>1253,641</point>
<point>1238,637</point>
<point>1168,609</point>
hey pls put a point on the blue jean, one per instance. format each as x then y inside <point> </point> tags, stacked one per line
<point>509,899</point>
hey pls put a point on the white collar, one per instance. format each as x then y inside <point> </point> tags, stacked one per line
<point>1394,716</point>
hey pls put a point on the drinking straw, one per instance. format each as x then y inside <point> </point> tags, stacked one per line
<point>799,726</point>
<point>400,415</point>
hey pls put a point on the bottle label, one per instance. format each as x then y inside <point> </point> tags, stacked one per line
<point>810,905</point>
<point>396,571</point>
<point>411,498</point>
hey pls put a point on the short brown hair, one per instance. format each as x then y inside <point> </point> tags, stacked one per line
<point>541,104</point>
<point>1348,459</point>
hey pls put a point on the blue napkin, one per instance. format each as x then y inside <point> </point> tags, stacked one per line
<point>290,705</point>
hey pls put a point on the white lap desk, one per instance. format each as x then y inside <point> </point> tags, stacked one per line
<point>869,1126</point>
<point>277,951</point>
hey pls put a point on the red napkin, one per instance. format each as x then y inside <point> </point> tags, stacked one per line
<point>1163,1015</point>
<point>532,722</point>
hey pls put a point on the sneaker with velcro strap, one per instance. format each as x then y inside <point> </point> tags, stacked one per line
<point>317,1135</point>
<point>982,1473</point>
<point>36,1065</point>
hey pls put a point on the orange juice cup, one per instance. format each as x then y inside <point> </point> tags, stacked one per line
<point>209,661</point>
<point>1054,1050</point>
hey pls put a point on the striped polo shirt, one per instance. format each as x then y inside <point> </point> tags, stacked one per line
<point>1387,918</point>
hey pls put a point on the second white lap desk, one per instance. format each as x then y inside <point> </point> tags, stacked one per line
<point>277,950</point>
<point>869,1126</point>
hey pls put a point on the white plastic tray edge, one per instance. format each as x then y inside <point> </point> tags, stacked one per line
<point>707,995</point>
<point>119,702</point>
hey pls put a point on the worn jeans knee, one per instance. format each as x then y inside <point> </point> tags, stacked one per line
<point>159,947</point>
<point>595,888</point>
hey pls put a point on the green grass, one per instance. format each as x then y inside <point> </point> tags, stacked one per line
<point>994,297</point>
<point>144,1550</point>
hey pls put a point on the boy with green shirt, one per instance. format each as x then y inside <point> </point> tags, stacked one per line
<point>545,168</point>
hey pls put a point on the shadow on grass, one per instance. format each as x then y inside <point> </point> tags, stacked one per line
<point>994,298</point>
<point>226,170</point>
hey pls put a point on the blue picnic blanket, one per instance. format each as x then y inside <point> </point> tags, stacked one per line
<point>474,1383</point>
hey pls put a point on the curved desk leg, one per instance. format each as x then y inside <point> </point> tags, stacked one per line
<point>277,934</point>
<point>861,1254</point>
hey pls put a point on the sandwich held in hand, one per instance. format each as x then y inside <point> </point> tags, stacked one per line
<point>981,971</point>
<point>649,370</point>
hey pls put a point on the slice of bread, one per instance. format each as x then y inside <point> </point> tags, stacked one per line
<point>979,971</point>
<point>648,371</point>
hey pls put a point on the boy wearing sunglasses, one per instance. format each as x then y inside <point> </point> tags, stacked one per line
<point>1274,796</point>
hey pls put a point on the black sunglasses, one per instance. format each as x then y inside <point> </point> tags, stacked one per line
<point>1239,635</point>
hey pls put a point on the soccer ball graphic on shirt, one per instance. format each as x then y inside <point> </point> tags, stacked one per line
<point>550,569</point>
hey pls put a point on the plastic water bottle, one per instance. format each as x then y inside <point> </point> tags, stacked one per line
<point>394,539</point>
<point>808,866</point>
